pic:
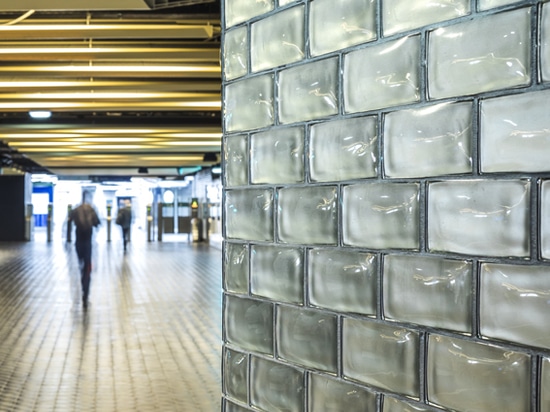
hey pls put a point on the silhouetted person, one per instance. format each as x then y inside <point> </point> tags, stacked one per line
<point>85,219</point>
<point>124,220</point>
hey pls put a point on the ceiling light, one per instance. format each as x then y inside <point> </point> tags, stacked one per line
<point>40,114</point>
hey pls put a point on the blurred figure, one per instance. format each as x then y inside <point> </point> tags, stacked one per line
<point>124,220</point>
<point>85,219</point>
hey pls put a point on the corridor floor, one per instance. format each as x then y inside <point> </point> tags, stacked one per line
<point>150,339</point>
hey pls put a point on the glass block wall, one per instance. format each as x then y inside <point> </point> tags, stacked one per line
<point>386,205</point>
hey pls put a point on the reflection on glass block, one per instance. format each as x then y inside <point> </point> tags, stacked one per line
<point>235,375</point>
<point>235,53</point>
<point>276,387</point>
<point>545,219</point>
<point>249,214</point>
<point>233,407</point>
<point>307,337</point>
<point>342,280</point>
<point>430,141</point>
<point>330,395</point>
<point>236,160</point>
<point>383,75</point>
<point>479,217</point>
<point>308,215</point>
<point>309,91</point>
<point>277,273</point>
<point>249,324</point>
<point>514,303</point>
<point>381,355</point>
<point>248,104</point>
<point>337,24</point>
<point>343,150</point>
<point>480,55</point>
<point>545,385</point>
<point>515,133</point>
<point>403,15</point>
<point>238,11</point>
<point>381,215</point>
<point>397,405</point>
<point>285,2</point>
<point>277,156</point>
<point>489,4</point>
<point>429,291</point>
<point>545,44</point>
<point>474,368</point>
<point>278,39</point>
<point>236,268</point>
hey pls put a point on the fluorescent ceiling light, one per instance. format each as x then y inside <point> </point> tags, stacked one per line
<point>40,114</point>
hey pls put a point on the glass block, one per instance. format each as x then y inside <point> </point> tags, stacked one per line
<point>545,42</point>
<point>480,55</point>
<point>249,214</point>
<point>276,387</point>
<point>381,215</point>
<point>278,39</point>
<point>308,215</point>
<point>248,104</point>
<point>515,133</point>
<point>342,280</point>
<point>490,4</point>
<point>514,303</point>
<point>397,405</point>
<point>337,24</point>
<point>309,91</point>
<point>235,53</point>
<point>381,355</point>
<point>330,395</point>
<point>235,375</point>
<point>249,324</point>
<point>236,160</point>
<point>238,11</point>
<point>308,338</point>
<point>545,219</point>
<point>431,141</point>
<point>545,385</point>
<point>470,376</point>
<point>383,75</point>
<point>285,2</point>
<point>233,407</point>
<point>277,156</point>
<point>429,291</point>
<point>343,149</point>
<point>236,267</point>
<point>479,217</point>
<point>404,15</point>
<point>278,273</point>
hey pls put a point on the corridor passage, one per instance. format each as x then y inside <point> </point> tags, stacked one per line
<point>150,339</point>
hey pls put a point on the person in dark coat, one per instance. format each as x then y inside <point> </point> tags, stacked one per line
<point>85,219</point>
<point>124,220</point>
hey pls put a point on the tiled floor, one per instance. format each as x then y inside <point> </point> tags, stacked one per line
<point>149,341</point>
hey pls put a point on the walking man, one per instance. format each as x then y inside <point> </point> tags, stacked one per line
<point>124,220</point>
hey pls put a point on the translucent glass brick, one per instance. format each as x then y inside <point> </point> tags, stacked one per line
<point>515,133</point>
<point>545,219</point>
<point>470,376</point>
<point>430,141</point>
<point>308,215</point>
<point>277,156</point>
<point>343,150</point>
<point>326,394</point>
<point>514,303</point>
<point>233,407</point>
<point>429,291</point>
<point>235,53</point>
<point>545,385</point>
<point>490,4</point>
<point>397,405</point>
<point>337,24</point>
<point>403,15</point>
<point>285,2</point>
<point>342,280</point>
<point>238,11</point>
<point>276,387</point>
<point>382,75</point>
<point>248,104</point>
<point>236,160</point>
<point>277,273</point>
<point>249,214</point>
<point>309,91</point>
<point>307,337</point>
<point>479,217</point>
<point>249,324</point>
<point>278,39</point>
<point>545,42</point>
<point>236,267</point>
<point>235,375</point>
<point>381,355</point>
<point>381,215</point>
<point>480,55</point>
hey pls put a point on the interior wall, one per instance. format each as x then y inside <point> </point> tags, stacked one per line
<point>16,195</point>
